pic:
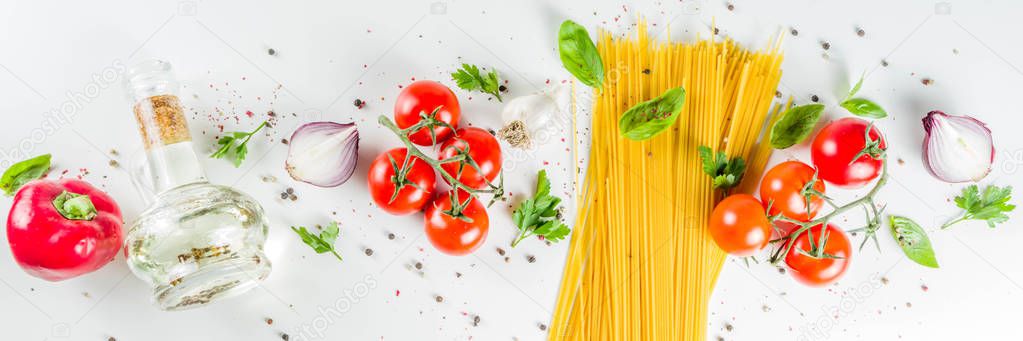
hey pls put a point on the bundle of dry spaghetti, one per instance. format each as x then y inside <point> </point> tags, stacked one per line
<point>641,265</point>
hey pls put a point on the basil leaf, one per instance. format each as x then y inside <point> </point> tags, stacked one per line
<point>647,119</point>
<point>855,89</point>
<point>579,54</point>
<point>22,172</point>
<point>795,125</point>
<point>913,241</point>
<point>864,108</point>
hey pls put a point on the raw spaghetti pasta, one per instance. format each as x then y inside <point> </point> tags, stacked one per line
<point>641,265</point>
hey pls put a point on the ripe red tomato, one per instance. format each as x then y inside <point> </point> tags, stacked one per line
<point>423,97</point>
<point>782,188</point>
<point>456,236</point>
<point>483,148</point>
<point>739,225</point>
<point>824,270</point>
<point>835,147</point>
<point>382,180</point>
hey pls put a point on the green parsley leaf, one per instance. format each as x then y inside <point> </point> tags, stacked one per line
<point>913,241</point>
<point>22,172</point>
<point>553,230</point>
<point>469,78</point>
<point>322,243</point>
<point>235,144</point>
<point>725,173</point>
<point>539,214</point>
<point>795,125</point>
<point>991,206</point>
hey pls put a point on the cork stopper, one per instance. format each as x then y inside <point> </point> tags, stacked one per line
<point>161,121</point>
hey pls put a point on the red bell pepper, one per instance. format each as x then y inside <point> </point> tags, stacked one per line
<point>59,229</point>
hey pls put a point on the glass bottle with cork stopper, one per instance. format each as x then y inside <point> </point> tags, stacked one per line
<point>196,242</point>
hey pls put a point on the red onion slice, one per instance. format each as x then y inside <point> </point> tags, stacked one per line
<point>957,148</point>
<point>323,154</point>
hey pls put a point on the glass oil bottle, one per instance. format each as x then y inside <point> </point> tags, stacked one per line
<point>196,242</point>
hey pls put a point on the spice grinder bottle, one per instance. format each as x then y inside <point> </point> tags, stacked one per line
<point>196,242</point>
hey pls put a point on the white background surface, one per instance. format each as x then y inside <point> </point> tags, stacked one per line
<point>330,53</point>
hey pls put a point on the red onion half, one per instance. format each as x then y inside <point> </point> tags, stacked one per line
<point>957,148</point>
<point>323,154</point>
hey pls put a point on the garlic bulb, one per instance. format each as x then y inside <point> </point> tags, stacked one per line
<point>530,118</point>
<point>957,148</point>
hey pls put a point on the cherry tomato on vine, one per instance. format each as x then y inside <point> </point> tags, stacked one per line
<point>456,236</point>
<point>829,266</point>
<point>482,148</point>
<point>782,189</point>
<point>416,184</point>
<point>835,147</point>
<point>739,225</point>
<point>423,97</point>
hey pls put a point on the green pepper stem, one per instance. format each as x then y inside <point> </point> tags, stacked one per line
<point>74,206</point>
